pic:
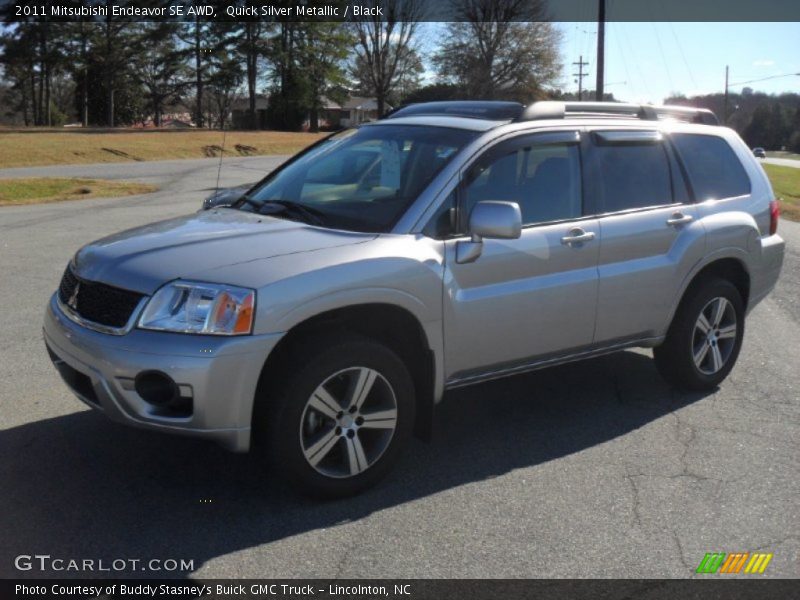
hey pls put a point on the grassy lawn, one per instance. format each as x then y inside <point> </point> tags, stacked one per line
<point>15,192</point>
<point>786,185</point>
<point>39,147</point>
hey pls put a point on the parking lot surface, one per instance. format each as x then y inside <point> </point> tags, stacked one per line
<point>595,469</point>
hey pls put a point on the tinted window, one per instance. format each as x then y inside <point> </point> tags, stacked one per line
<point>442,224</point>
<point>632,176</point>
<point>714,169</point>
<point>543,179</point>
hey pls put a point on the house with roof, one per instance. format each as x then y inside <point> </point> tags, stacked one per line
<point>357,110</point>
<point>354,111</point>
<point>240,112</point>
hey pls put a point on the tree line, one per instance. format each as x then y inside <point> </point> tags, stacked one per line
<point>112,72</point>
<point>770,121</point>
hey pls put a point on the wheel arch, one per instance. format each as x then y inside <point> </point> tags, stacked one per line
<point>730,265</point>
<point>390,324</point>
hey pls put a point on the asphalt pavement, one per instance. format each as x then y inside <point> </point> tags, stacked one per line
<point>784,162</point>
<point>595,469</point>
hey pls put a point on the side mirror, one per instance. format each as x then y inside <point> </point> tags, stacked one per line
<point>495,220</point>
<point>491,220</point>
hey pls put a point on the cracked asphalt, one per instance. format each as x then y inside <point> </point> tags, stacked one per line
<point>595,469</point>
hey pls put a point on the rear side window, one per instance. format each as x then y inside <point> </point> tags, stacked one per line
<point>632,176</point>
<point>714,169</point>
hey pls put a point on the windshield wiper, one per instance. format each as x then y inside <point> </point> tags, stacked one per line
<point>306,213</point>
<point>245,199</point>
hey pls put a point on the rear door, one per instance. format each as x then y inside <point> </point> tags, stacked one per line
<point>649,233</point>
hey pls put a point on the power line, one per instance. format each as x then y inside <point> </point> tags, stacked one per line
<point>616,35</point>
<point>642,78</point>
<point>663,57</point>
<point>764,79</point>
<point>683,55</point>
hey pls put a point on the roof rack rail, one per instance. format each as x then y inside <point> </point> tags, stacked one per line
<point>491,110</point>
<point>551,109</point>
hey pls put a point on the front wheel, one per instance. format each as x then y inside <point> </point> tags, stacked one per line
<point>337,424</point>
<point>705,337</point>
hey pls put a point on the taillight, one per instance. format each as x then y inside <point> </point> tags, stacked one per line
<point>774,213</point>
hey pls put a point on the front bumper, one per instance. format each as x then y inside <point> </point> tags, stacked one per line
<point>219,374</point>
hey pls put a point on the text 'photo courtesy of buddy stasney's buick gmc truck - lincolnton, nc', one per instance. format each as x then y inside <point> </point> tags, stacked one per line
<point>319,317</point>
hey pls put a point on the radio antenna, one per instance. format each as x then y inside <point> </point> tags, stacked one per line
<point>224,135</point>
<point>222,151</point>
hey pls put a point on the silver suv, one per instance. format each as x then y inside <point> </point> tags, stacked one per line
<point>321,316</point>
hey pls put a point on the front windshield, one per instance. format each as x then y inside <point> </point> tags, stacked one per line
<point>360,179</point>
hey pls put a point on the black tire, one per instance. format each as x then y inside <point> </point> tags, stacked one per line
<point>675,358</point>
<point>283,416</point>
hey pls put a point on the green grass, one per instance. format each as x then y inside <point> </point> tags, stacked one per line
<point>786,185</point>
<point>41,147</point>
<point>15,192</point>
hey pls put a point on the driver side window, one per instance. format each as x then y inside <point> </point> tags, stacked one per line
<point>544,179</point>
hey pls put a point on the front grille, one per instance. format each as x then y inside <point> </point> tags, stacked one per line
<point>97,302</point>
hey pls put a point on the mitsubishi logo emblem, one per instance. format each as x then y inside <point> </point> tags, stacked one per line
<point>73,299</point>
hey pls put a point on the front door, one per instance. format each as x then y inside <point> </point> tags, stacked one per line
<point>528,297</point>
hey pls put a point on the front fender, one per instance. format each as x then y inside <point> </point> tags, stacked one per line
<point>402,271</point>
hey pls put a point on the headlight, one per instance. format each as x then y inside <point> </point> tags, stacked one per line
<point>192,307</point>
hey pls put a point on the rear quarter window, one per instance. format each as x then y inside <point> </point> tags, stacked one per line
<point>713,168</point>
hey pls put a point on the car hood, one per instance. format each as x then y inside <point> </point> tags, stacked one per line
<point>144,258</point>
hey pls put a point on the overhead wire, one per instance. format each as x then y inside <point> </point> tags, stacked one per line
<point>663,58</point>
<point>683,56</point>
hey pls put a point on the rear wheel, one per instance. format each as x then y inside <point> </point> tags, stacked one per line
<point>705,337</point>
<point>338,422</point>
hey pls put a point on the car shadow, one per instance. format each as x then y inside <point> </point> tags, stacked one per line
<point>81,486</point>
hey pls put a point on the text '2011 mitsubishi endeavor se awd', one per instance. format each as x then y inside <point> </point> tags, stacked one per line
<point>325,312</point>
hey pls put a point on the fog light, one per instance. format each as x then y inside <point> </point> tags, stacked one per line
<point>157,388</point>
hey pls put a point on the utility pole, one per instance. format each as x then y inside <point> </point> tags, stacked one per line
<point>725,109</point>
<point>580,75</point>
<point>601,49</point>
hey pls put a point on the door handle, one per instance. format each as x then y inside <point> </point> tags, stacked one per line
<point>679,218</point>
<point>577,236</point>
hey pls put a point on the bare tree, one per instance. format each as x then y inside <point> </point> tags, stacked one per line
<point>385,47</point>
<point>161,67</point>
<point>222,91</point>
<point>499,49</point>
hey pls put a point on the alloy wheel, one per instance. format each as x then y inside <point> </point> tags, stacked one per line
<point>714,336</point>
<point>348,422</point>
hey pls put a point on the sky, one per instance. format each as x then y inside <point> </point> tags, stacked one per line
<point>648,62</point>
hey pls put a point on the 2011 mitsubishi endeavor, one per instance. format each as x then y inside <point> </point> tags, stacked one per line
<point>322,315</point>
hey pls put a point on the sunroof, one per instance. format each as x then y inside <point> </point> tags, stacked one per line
<point>488,110</point>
